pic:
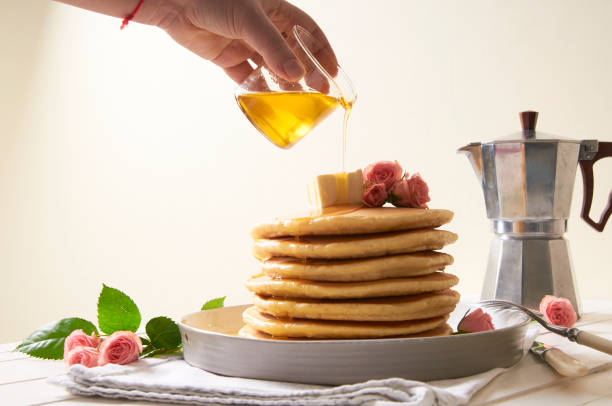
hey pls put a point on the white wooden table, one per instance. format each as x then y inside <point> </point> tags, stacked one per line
<point>530,382</point>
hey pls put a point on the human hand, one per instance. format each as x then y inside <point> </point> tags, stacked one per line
<point>231,32</point>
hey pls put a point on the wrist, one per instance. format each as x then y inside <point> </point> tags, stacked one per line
<point>159,13</point>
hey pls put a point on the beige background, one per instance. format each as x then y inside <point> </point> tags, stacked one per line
<point>124,159</point>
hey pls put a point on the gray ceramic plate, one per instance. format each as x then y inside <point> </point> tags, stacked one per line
<point>210,343</point>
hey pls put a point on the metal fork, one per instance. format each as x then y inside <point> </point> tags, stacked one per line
<point>572,334</point>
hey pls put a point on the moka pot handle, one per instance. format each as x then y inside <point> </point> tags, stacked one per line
<point>586,166</point>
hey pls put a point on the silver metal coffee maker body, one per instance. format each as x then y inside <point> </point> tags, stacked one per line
<point>527,180</point>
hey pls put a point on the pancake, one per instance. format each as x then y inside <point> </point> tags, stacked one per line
<point>354,270</point>
<point>335,329</point>
<point>353,220</point>
<point>401,308</point>
<point>354,246</point>
<point>249,332</point>
<point>299,288</point>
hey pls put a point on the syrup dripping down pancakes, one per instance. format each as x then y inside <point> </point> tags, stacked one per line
<point>352,273</point>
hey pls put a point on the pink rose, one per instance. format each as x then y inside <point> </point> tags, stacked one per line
<point>385,172</point>
<point>78,338</point>
<point>122,347</point>
<point>558,311</point>
<point>375,195</point>
<point>419,192</point>
<point>410,192</point>
<point>476,321</point>
<point>86,356</point>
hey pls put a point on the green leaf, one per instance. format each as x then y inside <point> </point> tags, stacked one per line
<point>163,332</point>
<point>48,341</point>
<point>145,340</point>
<point>214,303</point>
<point>151,351</point>
<point>116,311</point>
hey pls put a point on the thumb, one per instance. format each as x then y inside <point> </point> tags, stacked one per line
<point>261,34</point>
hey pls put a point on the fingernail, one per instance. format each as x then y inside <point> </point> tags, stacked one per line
<point>293,69</point>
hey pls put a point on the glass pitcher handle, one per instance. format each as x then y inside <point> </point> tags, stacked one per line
<point>586,166</point>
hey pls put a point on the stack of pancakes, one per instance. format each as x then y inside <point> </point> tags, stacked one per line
<point>352,273</point>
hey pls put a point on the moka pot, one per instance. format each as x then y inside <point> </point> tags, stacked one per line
<point>527,180</point>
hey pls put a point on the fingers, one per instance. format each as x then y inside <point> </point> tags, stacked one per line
<point>239,72</point>
<point>290,15</point>
<point>257,59</point>
<point>230,32</point>
<point>261,34</point>
<point>315,80</point>
<point>232,54</point>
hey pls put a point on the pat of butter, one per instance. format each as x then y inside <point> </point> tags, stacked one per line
<point>345,188</point>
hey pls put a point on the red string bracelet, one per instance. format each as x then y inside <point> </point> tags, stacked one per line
<point>130,16</point>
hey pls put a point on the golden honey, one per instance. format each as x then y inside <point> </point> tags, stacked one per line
<point>286,117</point>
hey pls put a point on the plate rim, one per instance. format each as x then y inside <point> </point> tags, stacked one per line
<point>502,330</point>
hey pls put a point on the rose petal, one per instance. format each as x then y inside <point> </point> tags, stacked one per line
<point>561,312</point>
<point>385,172</point>
<point>476,321</point>
<point>86,356</point>
<point>122,347</point>
<point>78,338</point>
<point>375,195</point>
<point>546,300</point>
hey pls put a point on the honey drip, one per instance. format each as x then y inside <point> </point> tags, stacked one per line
<point>314,214</point>
<point>348,107</point>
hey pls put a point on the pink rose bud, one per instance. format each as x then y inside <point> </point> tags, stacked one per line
<point>476,321</point>
<point>419,192</point>
<point>86,356</point>
<point>375,195</point>
<point>78,338</point>
<point>385,172</point>
<point>558,311</point>
<point>122,347</point>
